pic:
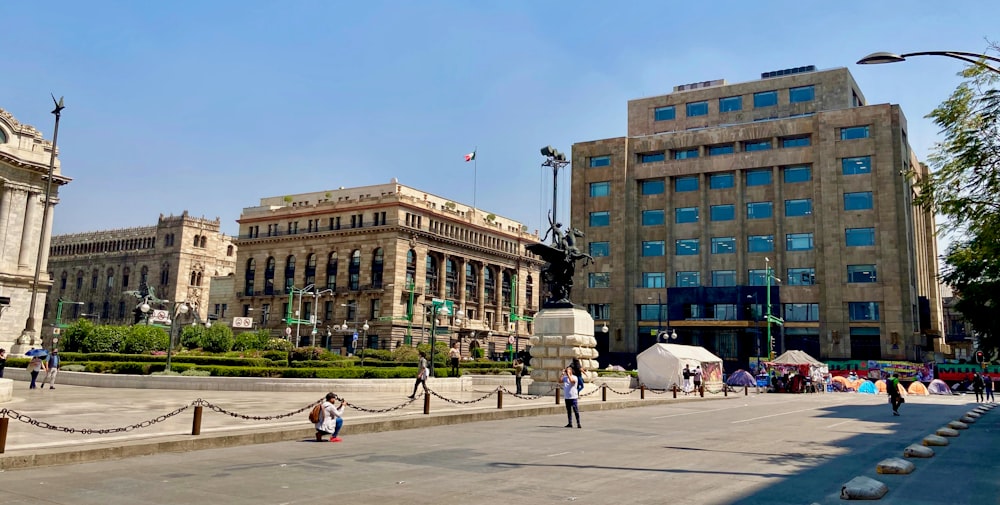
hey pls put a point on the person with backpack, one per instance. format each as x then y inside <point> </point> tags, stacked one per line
<point>895,397</point>
<point>329,419</point>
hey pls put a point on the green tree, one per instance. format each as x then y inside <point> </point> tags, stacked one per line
<point>140,339</point>
<point>218,338</point>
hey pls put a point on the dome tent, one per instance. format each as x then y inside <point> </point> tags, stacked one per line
<point>662,365</point>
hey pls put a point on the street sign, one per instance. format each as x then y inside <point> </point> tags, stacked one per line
<point>288,332</point>
<point>242,322</point>
<point>159,316</point>
<point>56,331</point>
<point>355,336</point>
<point>510,339</point>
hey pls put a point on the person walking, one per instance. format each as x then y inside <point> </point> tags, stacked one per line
<point>518,372</point>
<point>987,386</point>
<point>687,378</point>
<point>421,375</point>
<point>455,355</point>
<point>977,387</point>
<point>571,395</point>
<point>3,360</point>
<point>895,397</point>
<point>53,366</point>
<point>697,378</point>
<point>35,366</point>
<point>331,419</point>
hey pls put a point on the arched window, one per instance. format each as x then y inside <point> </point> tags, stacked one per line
<point>204,241</point>
<point>431,276</point>
<point>311,269</point>
<point>269,276</point>
<point>197,240</point>
<point>198,280</point>
<point>194,278</point>
<point>93,279</point>
<point>106,310</point>
<point>121,311</point>
<point>3,137</point>
<point>505,288</point>
<point>165,274</point>
<point>471,283</point>
<point>111,278</point>
<point>249,276</point>
<point>144,275</point>
<point>229,250</point>
<point>489,285</point>
<point>331,271</point>
<point>411,269</point>
<point>529,290</point>
<point>378,261</point>
<point>79,280</point>
<point>451,279</point>
<point>62,280</point>
<point>125,272</point>
<point>289,273</point>
<point>354,271</point>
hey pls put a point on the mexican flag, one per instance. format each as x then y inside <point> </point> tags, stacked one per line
<point>471,156</point>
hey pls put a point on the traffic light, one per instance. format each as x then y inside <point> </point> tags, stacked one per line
<point>979,356</point>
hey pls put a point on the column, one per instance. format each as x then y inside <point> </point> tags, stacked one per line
<point>24,254</point>
<point>46,239</point>
<point>5,203</point>
<point>481,286</point>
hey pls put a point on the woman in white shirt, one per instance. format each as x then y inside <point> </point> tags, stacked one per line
<point>331,419</point>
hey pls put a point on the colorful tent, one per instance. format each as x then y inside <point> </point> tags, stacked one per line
<point>938,387</point>
<point>741,378</point>
<point>917,388</point>
<point>881,387</point>
<point>867,387</point>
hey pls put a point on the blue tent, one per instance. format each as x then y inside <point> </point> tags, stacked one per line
<point>741,378</point>
<point>867,387</point>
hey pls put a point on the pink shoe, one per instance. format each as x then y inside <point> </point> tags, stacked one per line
<point>336,439</point>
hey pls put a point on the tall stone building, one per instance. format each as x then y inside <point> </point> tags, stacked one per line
<point>93,272</point>
<point>716,183</point>
<point>24,165</point>
<point>372,254</point>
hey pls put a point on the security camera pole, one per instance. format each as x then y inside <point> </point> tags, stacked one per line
<point>556,160</point>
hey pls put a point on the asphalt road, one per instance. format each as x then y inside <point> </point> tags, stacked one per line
<point>769,449</point>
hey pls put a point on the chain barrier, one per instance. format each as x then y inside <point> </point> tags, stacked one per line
<point>615,391</point>
<point>379,411</point>
<point>204,403</point>
<point>24,418</point>
<point>466,402</point>
<point>527,397</point>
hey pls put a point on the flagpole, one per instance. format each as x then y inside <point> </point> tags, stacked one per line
<point>475,175</point>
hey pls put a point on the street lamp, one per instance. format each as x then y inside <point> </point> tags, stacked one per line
<point>438,307</point>
<point>556,160</point>
<point>59,308</point>
<point>974,58</point>
<point>771,319</point>
<point>756,326</point>
<point>344,327</point>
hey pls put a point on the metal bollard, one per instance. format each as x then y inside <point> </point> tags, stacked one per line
<point>3,433</point>
<point>499,398</point>
<point>675,391</point>
<point>427,403</point>
<point>746,390</point>
<point>725,390</point>
<point>701,390</point>
<point>642,392</point>
<point>196,424</point>
<point>558,392</point>
<point>604,392</point>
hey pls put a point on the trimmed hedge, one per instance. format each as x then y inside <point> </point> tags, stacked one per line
<point>75,357</point>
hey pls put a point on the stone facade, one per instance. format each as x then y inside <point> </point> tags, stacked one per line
<point>24,163</point>
<point>177,258</point>
<point>560,336</point>
<point>373,252</point>
<point>691,208</point>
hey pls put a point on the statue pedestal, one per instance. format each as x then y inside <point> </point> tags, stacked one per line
<point>561,334</point>
<point>6,390</point>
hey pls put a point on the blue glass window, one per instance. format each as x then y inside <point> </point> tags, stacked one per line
<point>653,187</point>
<point>859,237</point>
<point>801,276</point>
<point>599,249</point>
<point>600,161</point>
<point>682,184</point>
<point>761,177</point>
<point>600,189</point>
<point>854,132</point>
<point>799,207</point>
<point>731,104</point>
<point>720,149</point>
<point>802,173</point>
<point>651,157</point>
<point>721,181</point>
<point>795,141</point>
<point>856,165</point>
<point>799,241</point>
<point>760,210</point>
<point>697,109</point>
<point>756,145</point>
<point>683,154</point>
<point>599,280</point>
<point>652,312</point>
<point>723,245</point>
<point>602,218</point>
<point>863,311</point>
<point>653,248</point>
<point>861,200</point>
<point>801,94</point>
<point>654,280</point>
<point>686,215</point>
<point>760,243</point>
<point>861,273</point>
<point>757,277</point>
<point>801,311</point>
<point>688,279</point>
<point>723,277</point>
<point>687,247</point>
<point>652,217</point>
<point>722,212</point>
<point>664,113</point>
<point>765,99</point>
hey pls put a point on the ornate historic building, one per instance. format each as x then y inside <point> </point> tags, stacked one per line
<point>24,164</point>
<point>718,188</point>
<point>93,272</point>
<point>372,255</point>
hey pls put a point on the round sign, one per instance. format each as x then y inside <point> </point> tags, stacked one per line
<point>510,339</point>
<point>288,332</point>
<point>55,341</point>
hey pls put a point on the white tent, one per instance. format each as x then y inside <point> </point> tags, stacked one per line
<point>662,365</point>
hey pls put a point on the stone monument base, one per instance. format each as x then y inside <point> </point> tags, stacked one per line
<point>6,390</point>
<point>561,334</point>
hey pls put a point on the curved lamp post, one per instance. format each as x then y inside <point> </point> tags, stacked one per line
<point>364,328</point>
<point>974,58</point>
<point>179,308</point>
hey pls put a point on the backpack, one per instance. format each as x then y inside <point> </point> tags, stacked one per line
<point>316,413</point>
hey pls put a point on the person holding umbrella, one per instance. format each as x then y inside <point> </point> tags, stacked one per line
<point>36,365</point>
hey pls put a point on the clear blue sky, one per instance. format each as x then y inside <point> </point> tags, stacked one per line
<point>208,106</point>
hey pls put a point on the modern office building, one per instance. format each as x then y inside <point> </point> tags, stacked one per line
<point>719,190</point>
<point>94,272</point>
<point>24,234</point>
<point>375,255</point>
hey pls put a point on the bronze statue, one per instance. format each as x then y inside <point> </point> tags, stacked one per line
<point>561,256</point>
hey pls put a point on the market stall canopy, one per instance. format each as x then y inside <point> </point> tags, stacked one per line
<point>661,365</point>
<point>795,357</point>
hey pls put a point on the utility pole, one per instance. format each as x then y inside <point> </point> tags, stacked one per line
<point>771,319</point>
